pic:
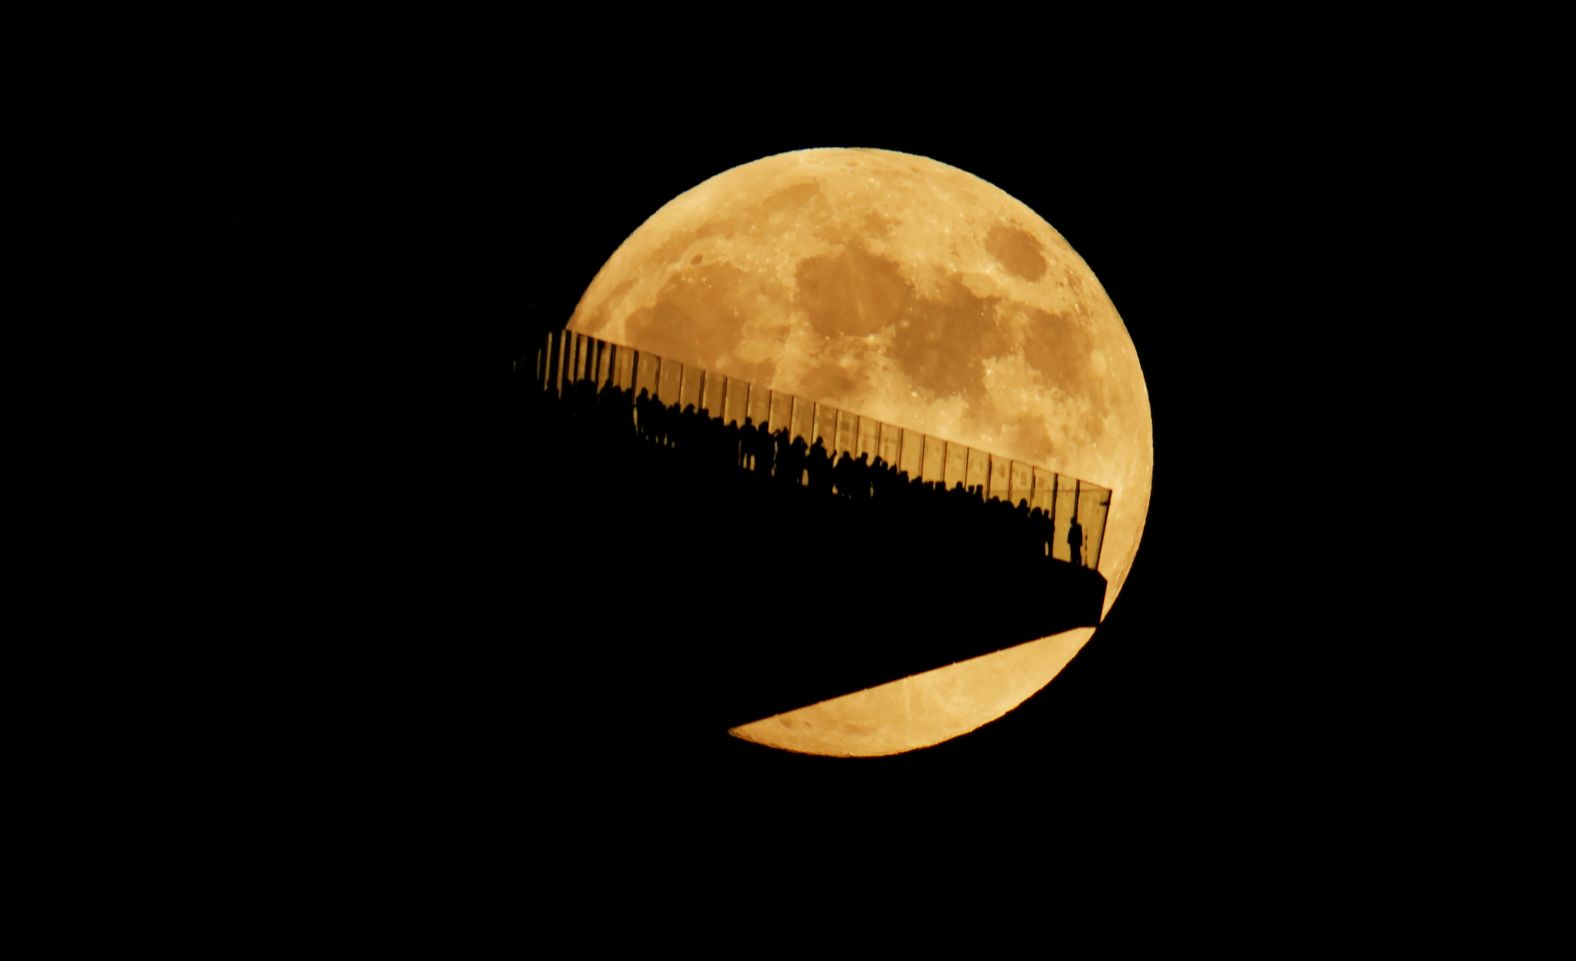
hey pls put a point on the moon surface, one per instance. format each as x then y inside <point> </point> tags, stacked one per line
<point>907,290</point>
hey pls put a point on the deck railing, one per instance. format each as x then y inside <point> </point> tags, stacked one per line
<point>567,357</point>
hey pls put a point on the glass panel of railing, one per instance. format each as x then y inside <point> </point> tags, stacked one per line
<point>825,426</point>
<point>1000,485</point>
<point>602,359</point>
<point>566,349</point>
<point>711,394</point>
<point>803,412</point>
<point>891,444</point>
<point>735,395</point>
<point>668,374</point>
<point>577,364</point>
<point>689,387</point>
<point>760,404</point>
<point>1068,499</point>
<point>869,441</point>
<point>624,368</point>
<point>957,464</point>
<point>1094,523</point>
<point>1090,514</point>
<point>933,463</point>
<point>781,415</point>
<point>847,432</point>
<point>1044,493</point>
<point>977,469</point>
<point>646,374</point>
<point>909,449</point>
<point>575,372</point>
<point>1022,482</point>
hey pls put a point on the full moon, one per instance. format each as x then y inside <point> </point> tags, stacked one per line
<point>906,290</point>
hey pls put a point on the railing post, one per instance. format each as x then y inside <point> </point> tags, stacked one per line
<point>1077,489</point>
<point>1056,486</point>
<point>1104,522</point>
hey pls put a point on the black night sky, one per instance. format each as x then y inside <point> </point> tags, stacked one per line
<point>389,253</point>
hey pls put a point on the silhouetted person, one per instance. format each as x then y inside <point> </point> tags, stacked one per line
<point>1044,532</point>
<point>791,468</point>
<point>820,467</point>
<point>841,475</point>
<point>1075,541</point>
<point>1023,527</point>
<point>775,445</point>
<point>643,414</point>
<point>748,445</point>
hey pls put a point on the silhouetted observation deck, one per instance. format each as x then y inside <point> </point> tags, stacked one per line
<point>568,357</point>
<point>807,551</point>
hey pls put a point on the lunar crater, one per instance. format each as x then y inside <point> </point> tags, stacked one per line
<point>851,291</point>
<point>1016,250</point>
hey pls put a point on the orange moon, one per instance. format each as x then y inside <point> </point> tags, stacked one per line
<point>907,290</point>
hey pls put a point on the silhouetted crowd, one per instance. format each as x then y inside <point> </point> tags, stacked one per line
<point>961,516</point>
